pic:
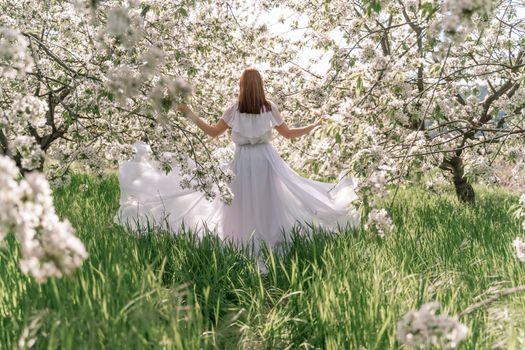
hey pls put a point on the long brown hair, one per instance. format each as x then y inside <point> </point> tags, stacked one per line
<point>251,93</point>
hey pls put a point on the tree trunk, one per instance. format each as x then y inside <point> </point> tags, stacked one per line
<point>464,190</point>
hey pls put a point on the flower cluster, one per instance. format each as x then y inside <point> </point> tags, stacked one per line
<point>124,25</point>
<point>479,167</point>
<point>28,111</point>
<point>23,122</point>
<point>124,81</point>
<point>458,18</point>
<point>519,245</point>
<point>379,222</point>
<point>30,152</point>
<point>48,245</point>
<point>423,328</point>
<point>167,92</point>
<point>14,58</point>
<point>373,164</point>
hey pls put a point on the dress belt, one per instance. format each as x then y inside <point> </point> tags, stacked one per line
<point>251,144</point>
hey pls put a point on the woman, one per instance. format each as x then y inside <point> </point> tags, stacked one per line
<point>269,197</point>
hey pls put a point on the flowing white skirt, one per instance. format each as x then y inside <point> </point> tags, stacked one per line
<point>269,199</point>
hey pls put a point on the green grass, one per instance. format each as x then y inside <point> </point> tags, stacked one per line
<point>332,291</point>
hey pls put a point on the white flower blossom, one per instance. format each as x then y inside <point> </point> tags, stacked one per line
<point>124,81</point>
<point>423,328</point>
<point>14,57</point>
<point>379,222</point>
<point>124,25</point>
<point>31,153</point>
<point>28,109</point>
<point>519,245</point>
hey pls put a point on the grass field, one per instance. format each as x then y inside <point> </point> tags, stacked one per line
<point>332,291</point>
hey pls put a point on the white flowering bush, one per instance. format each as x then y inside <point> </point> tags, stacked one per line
<point>48,245</point>
<point>424,328</point>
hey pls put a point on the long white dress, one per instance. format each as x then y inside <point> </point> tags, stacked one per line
<point>269,199</point>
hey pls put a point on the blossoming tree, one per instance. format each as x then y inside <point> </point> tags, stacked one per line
<point>419,85</point>
<point>103,75</point>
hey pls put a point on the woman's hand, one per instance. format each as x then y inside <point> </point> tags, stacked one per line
<point>184,108</point>
<point>187,112</point>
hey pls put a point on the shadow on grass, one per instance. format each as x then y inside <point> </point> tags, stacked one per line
<point>320,288</point>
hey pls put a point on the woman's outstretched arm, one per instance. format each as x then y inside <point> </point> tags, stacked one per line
<point>212,130</point>
<point>288,133</point>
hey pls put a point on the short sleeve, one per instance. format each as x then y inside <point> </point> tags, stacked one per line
<point>276,114</point>
<point>229,113</point>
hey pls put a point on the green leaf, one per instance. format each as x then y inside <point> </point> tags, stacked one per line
<point>372,6</point>
<point>427,8</point>
<point>96,110</point>
<point>166,103</point>
<point>183,12</point>
<point>145,10</point>
<point>359,86</point>
<point>434,68</point>
<point>376,6</point>
<point>68,118</point>
<point>105,93</point>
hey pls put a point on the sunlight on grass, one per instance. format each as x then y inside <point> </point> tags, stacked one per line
<point>330,291</point>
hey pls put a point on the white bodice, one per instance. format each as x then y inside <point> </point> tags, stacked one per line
<point>250,128</point>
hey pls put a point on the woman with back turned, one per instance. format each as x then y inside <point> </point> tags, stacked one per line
<point>269,198</point>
